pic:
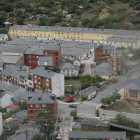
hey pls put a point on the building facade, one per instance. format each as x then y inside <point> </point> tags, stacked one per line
<point>39,102</point>
<point>67,33</point>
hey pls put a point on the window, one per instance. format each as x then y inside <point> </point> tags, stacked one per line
<point>35,76</point>
<point>37,111</point>
<point>36,56</point>
<point>29,56</point>
<point>47,79</point>
<point>33,61</point>
<point>37,105</point>
<point>31,118</point>
<point>35,81</point>
<point>46,53</point>
<point>31,105</point>
<point>31,111</point>
<point>33,56</point>
<point>133,93</point>
<point>114,59</point>
<point>43,105</point>
<point>30,61</point>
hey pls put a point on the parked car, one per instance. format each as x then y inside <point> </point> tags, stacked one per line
<point>115,81</point>
<point>115,91</point>
<point>65,100</point>
<point>59,137</point>
<point>89,56</point>
<point>93,96</point>
<point>59,119</point>
<point>73,106</point>
<point>60,97</point>
<point>71,97</point>
<point>89,99</point>
<point>70,100</point>
<point>86,58</point>
<point>69,85</point>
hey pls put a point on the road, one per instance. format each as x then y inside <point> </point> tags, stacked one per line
<point>87,108</point>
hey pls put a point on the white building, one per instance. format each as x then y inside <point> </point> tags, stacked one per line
<point>123,42</point>
<point>3,38</point>
<point>77,62</point>
<point>5,99</point>
<point>1,124</point>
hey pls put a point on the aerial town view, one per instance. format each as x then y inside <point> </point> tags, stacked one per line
<point>69,69</point>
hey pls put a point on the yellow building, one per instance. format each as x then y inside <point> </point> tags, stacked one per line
<point>67,33</point>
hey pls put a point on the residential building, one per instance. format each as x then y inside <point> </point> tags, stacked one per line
<point>88,124</point>
<point>30,82</point>
<point>131,91</point>
<point>18,118</point>
<point>11,107</point>
<point>3,38</point>
<point>1,66</point>
<point>48,81</point>
<point>31,57</point>
<point>89,92</point>
<point>125,42</point>
<point>67,33</point>
<point>81,135</point>
<point>116,57</point>
<point>1,124</point>
<point>24,97</point>
<point>133,74</point>
<point>45,61</point>
<point>19,78</point>
<point>39,102</point>
<point>5,75</point>
<point>53,50</point>
<point>104,72</point>
<point>5,99</point>
<point>77,62</point>
<point>69,70</point>
<point>102,53</point>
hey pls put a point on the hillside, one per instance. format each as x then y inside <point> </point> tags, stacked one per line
<point>114,14</point>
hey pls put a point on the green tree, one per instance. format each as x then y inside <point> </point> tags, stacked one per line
<point>2,19</point>
<point>73,113</point>
<point>3,31</point>
<point>7,8</point>
<point>97,113</point>
<point>42,21</point>
<point>20,5</point>
<point>19,13</point>
<point>19,21</point>
<point>74,23</point>
<point>46,123</point>
<point>23,106</point>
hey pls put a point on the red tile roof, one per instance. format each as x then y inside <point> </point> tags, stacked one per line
<point>13,106</point>
<point>9,119</point>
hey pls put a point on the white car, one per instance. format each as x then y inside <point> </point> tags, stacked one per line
<point>59,137</point>
<point>89,56</point>
<point>69,85</point>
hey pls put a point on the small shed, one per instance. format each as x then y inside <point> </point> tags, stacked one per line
<point>89,92</point>
<point>11,107</point>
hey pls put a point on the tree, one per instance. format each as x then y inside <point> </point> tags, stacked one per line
<point>46,122</point>
<point>97,113</point>
<point>42,21</point>
<point>19,21</point>
<point>73,113</point>
<point>2,19</point>
<point>23,106</point>
<point>7,8</point>
<point>3,31</point>
<point>74,23</point>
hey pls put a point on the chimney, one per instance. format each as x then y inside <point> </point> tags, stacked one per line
<point>39,97</point>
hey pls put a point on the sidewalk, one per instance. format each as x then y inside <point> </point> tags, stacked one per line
<point>62,102</point>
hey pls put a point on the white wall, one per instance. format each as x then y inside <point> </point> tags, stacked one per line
<point>1,124</point>
<point>76,63</point>
<point>6,100</point>
<point>57,81</point>
<point>71,72</point>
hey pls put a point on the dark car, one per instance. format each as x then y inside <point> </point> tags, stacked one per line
<point>60,97</point>
<point>70,100</point>
<point>73,106</point>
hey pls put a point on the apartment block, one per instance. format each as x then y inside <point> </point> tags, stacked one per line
<point>39,102</point>
<point>67,33</point>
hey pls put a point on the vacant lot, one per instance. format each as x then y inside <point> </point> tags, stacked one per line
<point>76,85</point>
<point>124,106</point>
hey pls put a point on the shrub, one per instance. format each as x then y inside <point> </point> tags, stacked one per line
<point>103,107</point>
<point>84,99</point>
<point>73,113</point>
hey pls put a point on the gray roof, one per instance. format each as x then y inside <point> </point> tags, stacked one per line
<point>133,84</point>
<point>77,59</point>
<point>24,96</point>
<point>135,71</point>
<point>16,67</point>
<point>2,94</point>
<point>107,65</point>
<point>98,135</point>
<point>102,70</point>
<point>19,75</point>
<point>108,47</point>
<point>123,39</point>
<point>50,47</point>
<point>6,72</point>
<point>95,122</point>
<point>21,113</point>
<point>88,91</point>
<point>67,66</point>
<point>1,64</point>
<point>77,126</point>
<point>35,51</point>
<point>42,72</point>
<point>13,59</point>
<point>14,50</point>
<point>2,35</point>
<point>48,59</point>
<point>45,98</point>
<point>117,52</point>
<point>75,29</point>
